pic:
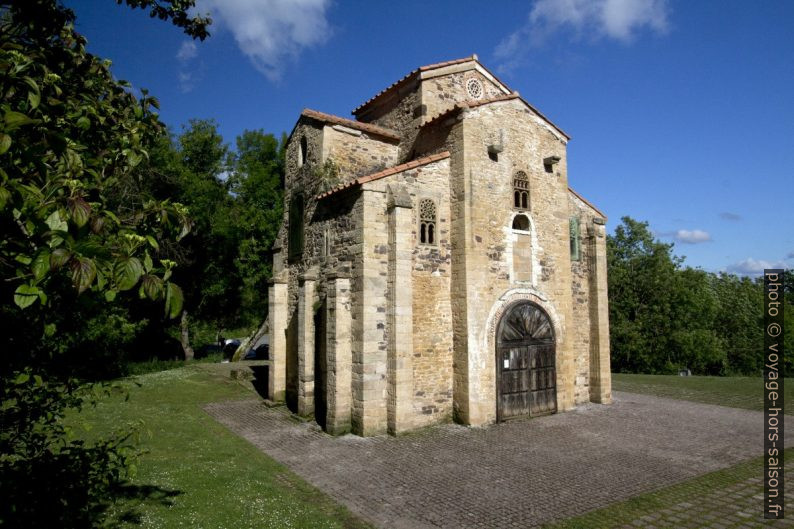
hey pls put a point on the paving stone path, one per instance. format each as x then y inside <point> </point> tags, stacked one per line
<point>518,474</point>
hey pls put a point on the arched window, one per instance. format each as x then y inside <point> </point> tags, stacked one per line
<point>521,190</point>
<point>521,222</point>
<point>303,152</point>
<point>427,221</point>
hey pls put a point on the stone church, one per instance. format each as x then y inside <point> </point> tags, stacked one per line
<point>433,264</point>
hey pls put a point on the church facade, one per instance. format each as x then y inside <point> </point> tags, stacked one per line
<point>433,264</point>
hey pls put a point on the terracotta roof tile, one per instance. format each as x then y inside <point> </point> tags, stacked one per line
<point>358,125</point>
<point>386,172</point>
<point>587,202</point>
<point>410,75</point>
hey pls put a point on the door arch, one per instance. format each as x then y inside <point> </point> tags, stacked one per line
<point>526,381</point>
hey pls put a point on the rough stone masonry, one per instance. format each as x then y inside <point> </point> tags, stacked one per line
<point>433,264</point>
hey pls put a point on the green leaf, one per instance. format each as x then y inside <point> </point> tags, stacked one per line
<point>49,329</point>
<point>84,123</point>
<point>21,378</point>
<point>128,273</point>
<point>147,262</point>
<point>14,120</point>
<point>34,98</point>
<point>59,258</point>
<point>25,295</point>
<point>5,142</point>
<point>55,222</point>
<point>41,265</point>
<point>83,273</point>
<point>152,242</point>
<point>110,295</point>
<point>5,194</point>
<point>173,300</point>
<point>80,210</point>
<point>152,286</point>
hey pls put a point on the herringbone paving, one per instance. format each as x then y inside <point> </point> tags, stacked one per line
<point>518,474</point>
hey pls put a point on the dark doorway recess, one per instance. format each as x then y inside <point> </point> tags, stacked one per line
<point>525,363</point>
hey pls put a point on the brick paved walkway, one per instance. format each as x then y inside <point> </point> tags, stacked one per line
<point>517,474</point>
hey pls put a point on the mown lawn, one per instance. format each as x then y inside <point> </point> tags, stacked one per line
<point>197,474</point>
<point>736,392</point>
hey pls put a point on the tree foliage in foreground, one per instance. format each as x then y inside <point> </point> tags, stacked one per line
<point>665,316</point>
<point>69,134</point>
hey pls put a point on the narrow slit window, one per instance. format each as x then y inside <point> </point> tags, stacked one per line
<point>295,232</point>
<point>576,247</point>
<point>303,152</point>
<point>521,190</point>
<point>427,221</point>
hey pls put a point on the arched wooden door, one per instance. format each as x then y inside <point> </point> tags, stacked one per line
<point>525,363</point>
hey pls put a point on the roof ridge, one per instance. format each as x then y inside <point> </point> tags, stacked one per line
<point>472,57</point>
<point>366,127</point>
<point>418,162</point>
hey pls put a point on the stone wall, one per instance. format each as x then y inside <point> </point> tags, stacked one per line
<point>439,94</point>
<point>356,153</point>
<point>580,290</point>
<point>484,190</point>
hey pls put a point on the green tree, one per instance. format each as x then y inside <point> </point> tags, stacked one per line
<point>641,271</point>
<point>69,134</point>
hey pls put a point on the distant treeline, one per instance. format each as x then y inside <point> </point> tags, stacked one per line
<point>665,316</point>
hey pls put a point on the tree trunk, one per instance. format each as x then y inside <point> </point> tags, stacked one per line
<point>246,344</point>
<point>185,337</point>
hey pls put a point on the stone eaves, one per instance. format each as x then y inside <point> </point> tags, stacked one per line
<point>386,172</point>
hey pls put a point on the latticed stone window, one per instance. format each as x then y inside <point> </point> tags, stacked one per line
<point>474,88</point>
<point>521,190</point>
<point>576,245</point>
<point>427,221</point>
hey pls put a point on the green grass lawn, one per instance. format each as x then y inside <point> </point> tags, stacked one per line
<point>197,474</point>
<point>736,392</point>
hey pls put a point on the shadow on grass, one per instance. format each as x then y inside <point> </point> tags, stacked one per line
<point>132,499</point>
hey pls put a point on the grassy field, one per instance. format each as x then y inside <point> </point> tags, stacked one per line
<point>736,392</point>
<point>197,474</point>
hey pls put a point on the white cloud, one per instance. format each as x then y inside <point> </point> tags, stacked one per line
<point>187,51</point>
<point>754,267</point>
<point>692,236</point>
<point>615,19</point>
<point>270,32</point>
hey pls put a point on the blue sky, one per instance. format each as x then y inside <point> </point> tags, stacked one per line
<point>681,113</point>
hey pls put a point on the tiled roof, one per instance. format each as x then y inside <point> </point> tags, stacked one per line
<point>587,202</point>
<point>358,125</point>
<point>410,75</point>
<point>386,172</point>
<point>497,99</point>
